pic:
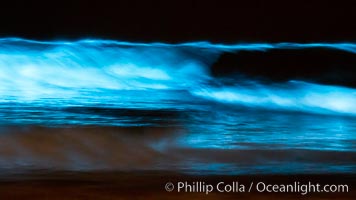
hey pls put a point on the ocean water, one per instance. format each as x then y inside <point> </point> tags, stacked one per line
<point>109,105</point>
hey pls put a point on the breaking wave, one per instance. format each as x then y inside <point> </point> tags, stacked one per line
<point>102,69</point>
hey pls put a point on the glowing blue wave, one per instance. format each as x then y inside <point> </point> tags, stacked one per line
<point>43,71</point>
<point>299,96</point>
<point>177,109</point>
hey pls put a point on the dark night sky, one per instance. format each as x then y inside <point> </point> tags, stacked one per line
<point>176,21</point>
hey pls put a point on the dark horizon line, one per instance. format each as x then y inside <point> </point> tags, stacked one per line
<point>73,38</point>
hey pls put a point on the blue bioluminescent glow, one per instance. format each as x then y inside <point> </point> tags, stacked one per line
<point>158,106</point>
<point>96,70</point>
<point>300,96</point>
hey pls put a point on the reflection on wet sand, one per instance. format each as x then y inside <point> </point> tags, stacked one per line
<point>152,148</point>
